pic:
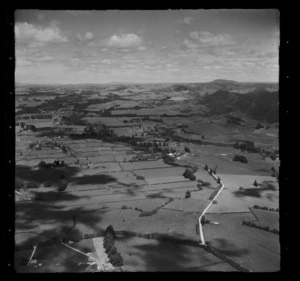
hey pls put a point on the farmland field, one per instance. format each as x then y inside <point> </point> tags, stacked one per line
<point>123,166</point>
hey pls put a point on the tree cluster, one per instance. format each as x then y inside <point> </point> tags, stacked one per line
<point>265,208</point>
<point>265,228</point>
<point>188,174</point>
<point>55,163</point>
<point>246,146</point>
<point>109,245</point>
<point>240,158</point>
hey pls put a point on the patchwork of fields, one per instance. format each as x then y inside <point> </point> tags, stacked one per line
<point>131,177</point>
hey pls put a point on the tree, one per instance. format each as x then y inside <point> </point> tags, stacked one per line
<point>186,149</point>
<point>110,230</point>
<point>187,173</point>
<point>240,158</point>
<point>62,186</point>
<point>188,194</point>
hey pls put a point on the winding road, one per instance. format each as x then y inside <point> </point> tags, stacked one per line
<point>202,241</point>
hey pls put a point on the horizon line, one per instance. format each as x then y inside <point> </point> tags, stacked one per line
<point>133,83</point>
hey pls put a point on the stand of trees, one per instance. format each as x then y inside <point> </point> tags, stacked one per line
<point>188,174</point>
<point>240,158</point>
<point>246,146</point>
<point>109,245</point>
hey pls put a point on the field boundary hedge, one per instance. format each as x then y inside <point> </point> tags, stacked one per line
<point>265,228</point>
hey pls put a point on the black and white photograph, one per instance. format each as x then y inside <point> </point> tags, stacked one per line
<point>147,140</point>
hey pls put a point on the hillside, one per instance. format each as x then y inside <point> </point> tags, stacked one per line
<point>259,105</point>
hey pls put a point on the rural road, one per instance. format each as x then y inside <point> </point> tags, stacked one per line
<point>202,241</point>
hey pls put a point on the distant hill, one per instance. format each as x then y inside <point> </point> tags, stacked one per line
<point>223,81</point>
<point>225,85</point>
<point>259,105</point>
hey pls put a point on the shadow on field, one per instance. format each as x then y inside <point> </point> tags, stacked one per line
<point>256,192</point>
<point>43,174</point>
<point>168,256</point>
<point>67,259</point>
<point>156,195</point>
<point>40,221</point>
<point>228,248</point>
<point>130,189</point>
<point>93,179</point>
<point>48,221</point>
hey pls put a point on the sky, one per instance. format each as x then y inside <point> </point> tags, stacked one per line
<point>73,47</point>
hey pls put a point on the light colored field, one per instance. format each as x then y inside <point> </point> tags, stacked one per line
<point>167,186</point>
<point>188,205</point>
<point>92,145</point>
<point>54,155</point>
<point>143,165</point>
<point>255,248</point>
<point>232,199</point>
<point>163,172</point>
<point>166,179</point>
<point>102,158</point>
<point>205,155</point>
<point>104,168</point>
<point>150,255</point>
<point>22,163</point>
<point>123,157</point>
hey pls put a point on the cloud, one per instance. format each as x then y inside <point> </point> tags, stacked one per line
<point>88,36</point>
<point>185,20</point>
<point>126,41</point>
<point>27,33</point>
<point>190,44</point>
<point>208,39</point>
<point>42,59</point>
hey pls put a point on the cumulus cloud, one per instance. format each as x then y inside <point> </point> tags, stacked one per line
<point>123,43</point>
<point>126,41</point>
<point>88,36</point>
<point>42,59</point>
<point>208,39</point>
<point>27,33</point>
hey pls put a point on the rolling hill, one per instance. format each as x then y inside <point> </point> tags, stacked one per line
<point>259,105</point>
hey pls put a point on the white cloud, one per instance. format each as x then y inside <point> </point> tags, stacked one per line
<point>43,59</point>
<point>125,41</point>
<point>189,44</point>
<point>208,39</point>
<point>23,62</point>
<point>87,36</point>
<point>27,33</point>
